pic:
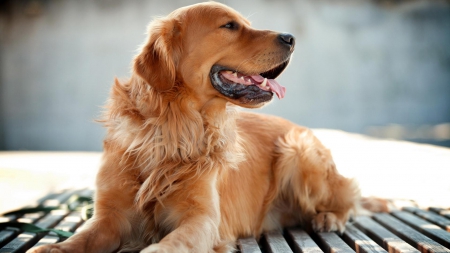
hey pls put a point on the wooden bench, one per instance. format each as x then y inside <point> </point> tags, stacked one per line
<point>408,230</point>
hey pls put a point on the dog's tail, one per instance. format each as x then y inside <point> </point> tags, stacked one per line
<point>371,205</point>
<point>375,205</point>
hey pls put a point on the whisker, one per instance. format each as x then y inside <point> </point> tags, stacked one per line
<point>250,15</point>
<point>245,61</point>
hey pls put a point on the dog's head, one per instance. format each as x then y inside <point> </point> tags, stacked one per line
<point>212,51</point>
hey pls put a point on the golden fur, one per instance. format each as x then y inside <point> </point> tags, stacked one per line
<point>183,170</point>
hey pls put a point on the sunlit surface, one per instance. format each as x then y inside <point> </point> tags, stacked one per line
<point>27,176</point>
<point>48,240</point>
<point>392,169</point>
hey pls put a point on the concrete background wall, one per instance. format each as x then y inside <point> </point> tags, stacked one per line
<point>358,66</point>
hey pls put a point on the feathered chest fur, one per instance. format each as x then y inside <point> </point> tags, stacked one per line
<point>166,139</point>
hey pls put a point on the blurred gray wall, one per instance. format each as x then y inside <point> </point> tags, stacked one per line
<point>358,66</point>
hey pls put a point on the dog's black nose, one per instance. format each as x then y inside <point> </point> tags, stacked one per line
<point>287,39</point>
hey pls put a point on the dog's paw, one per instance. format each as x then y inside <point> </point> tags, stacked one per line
<point>51,248</point>
<point>57,248</point>
<point>157,248</point>
<point>327,222</point>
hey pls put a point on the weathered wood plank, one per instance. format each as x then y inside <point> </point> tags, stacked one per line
<point>274,242</point>
<point>430,216</point>
<point>301,242</point>
<point>248,245</point>
<point>48,239</point>
<point>333,243</point>
<point>440,211</point>
<point>26,240</point>
<point>411,236</point>
<point>31,217</point>
<point>57,199</point>
<point>425,227</point>
<point>71,222</point>
<point>20,244</point>
<point>51,219</point>
<point>360,242</point>
<point>382,236</point>
<point>21,241</point>
<point>9,218</point>
<point>7,235</point>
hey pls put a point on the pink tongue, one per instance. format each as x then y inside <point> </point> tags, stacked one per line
<point>256,79</point>
<point>273,84</point>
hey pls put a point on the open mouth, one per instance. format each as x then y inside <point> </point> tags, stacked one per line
<point>248,88</point>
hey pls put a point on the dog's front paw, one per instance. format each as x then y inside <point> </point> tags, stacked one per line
<point>157,248</point>
<point>51,248</point>
<point>327,222</point>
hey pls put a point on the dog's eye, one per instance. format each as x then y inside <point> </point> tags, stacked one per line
<point>232,25</point>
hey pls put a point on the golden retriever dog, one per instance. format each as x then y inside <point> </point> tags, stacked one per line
<point>183,170</point>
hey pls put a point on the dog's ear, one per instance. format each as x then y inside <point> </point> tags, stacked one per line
<point>158,59</point>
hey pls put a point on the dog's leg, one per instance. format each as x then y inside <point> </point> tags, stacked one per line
<point>105,230</point>
<point>307,174</point>
<point>97,236</point>
<point>194,216</point>
<point>100,234</point>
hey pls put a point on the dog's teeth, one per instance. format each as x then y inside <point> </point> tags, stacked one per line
<point>242,78</point>
<point>229,72</point>
<point>235,74</point>
<point>264,83</point>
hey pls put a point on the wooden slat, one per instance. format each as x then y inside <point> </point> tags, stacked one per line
<point>333,243</point>
<point>429,229</point>
<point>301,242</point>
<point>360,242</point>
<point>13,241</point>
<point>418,240</point>
<point>20,244</point>
<point>31,217</point>
<point>248,245</point>
<point>26,240</point>
<point>382,236</point>
<point>71,222</point>
<point>440,211</point>
<point>58,199</point>
<point>7,235</point>
<point>274,242</point>
<point>9,218</point>
<point>48,239</point>
<point>51,219</point>
<point>430,216</point>
<point>23,240</point>
<point>55,199</point>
